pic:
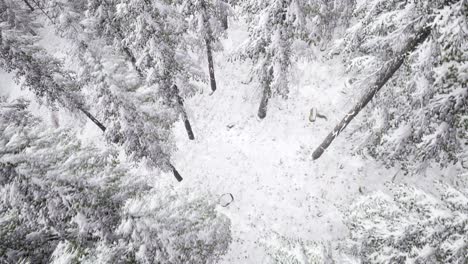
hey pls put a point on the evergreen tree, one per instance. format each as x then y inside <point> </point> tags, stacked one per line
<point>207,21</point>
<point>63,200</point>
<point>131,112</point>
<point>413,226</point>
<point>52,188</point>
<point>273,28</point>
<point>39,72</point>
<point>421,116</point>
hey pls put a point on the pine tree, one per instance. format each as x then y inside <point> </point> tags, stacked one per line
<point>147,34</point>
<point>137,120</point>
<point>273,28</point>
<point>420,116</point>
<point>63,199</point>
<point>40,72</point>
<point>413,226</point>
<point>207,20</point>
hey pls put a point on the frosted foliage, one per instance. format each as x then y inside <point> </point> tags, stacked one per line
<point>412,226</point>
<point>38,71</point>
<point>52,189</point>
<point>286,250</point>
<point>423,108</point>
<point>136,114</point>
<point>69,202</point>
<point>192,230</point>
<point>274,27</point>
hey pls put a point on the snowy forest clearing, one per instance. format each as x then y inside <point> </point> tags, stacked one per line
<point>192,131</point>
<point>267,164</point>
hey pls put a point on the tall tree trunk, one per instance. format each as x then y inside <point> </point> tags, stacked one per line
<point>224,21</point>
<point>262,109</point>
<point>384,76</point>
<point>29,5</point>
<point>92,118</point>
<point>224,15</point>
<point>176,173</point>
<point>208,42</point>
<point>210,64</point>
<point>183,113</point>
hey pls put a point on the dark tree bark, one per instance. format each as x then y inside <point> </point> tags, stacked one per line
<point>93,119</point>
<point>176,173</point>
<point>224,16</point>
<point>262,109</point>
<point>224,21</point>
<point>384,76</point>
<point>183,113</point>
<point>208,42</point>
<point>29,5</point>
<point>209,55</point>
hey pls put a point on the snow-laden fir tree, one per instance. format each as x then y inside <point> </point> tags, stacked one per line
<point>413,226</point>
<point>37,70</point>
<point>206,23</point>
<point>52,188</point>
<point>192,230</point>
<point>149,35</point>
<point>64,200</point>
<point>421,114</point>
<point>133,112</point>
<point>274,26</point>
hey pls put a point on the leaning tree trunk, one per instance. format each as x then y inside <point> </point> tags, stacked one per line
<point>384,76</point>
<point>92,118</point>
<point>262,109</point>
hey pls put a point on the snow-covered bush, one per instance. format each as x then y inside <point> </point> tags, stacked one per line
<point>413,226</point>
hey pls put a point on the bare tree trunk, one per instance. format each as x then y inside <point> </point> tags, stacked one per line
<point>224,21</point>
<point>176,173</point>
<point>262,109</point>
<point>384,76</point>
<point>209,54</point>
<point>208,40</point>
<point>188,127</point>
<point>29,5</point>
<point>93,119</point>
<point>224,16</point>
<point>183,113</point>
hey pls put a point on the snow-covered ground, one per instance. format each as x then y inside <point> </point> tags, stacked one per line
<point>266,164</point>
